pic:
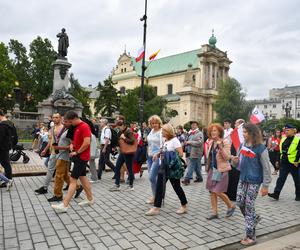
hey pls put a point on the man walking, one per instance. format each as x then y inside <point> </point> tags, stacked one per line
<point>194,151</point>
<point>289,161</point>
<point>54,134</point>
<point>6,128</point>
<point>80,155</point>
<point>105,148</point>
<point>63,165</point>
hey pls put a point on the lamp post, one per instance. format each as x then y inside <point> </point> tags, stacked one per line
<point>118,102</point>
<point>17,91</point>
<point>141,101</point>
<point>287,107</point>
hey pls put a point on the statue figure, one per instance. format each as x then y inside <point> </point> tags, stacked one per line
<point>63,43</point>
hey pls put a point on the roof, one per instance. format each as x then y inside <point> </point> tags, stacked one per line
<point>169,64</point>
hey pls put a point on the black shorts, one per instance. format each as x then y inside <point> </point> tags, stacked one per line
<point>79,168</point>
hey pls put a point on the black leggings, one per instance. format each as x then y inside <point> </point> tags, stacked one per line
<point>176,186</point>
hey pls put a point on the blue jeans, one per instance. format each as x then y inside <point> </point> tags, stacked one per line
<point>153,167</point>
<point>128,159</point>
<point>194,164</point>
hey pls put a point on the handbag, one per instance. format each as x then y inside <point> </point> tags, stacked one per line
<point>216,175</point>
<point>126,148</point>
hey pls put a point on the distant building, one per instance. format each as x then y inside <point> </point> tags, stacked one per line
<point>282,102</point>
<point>187,80</point>
<point>94,94</point>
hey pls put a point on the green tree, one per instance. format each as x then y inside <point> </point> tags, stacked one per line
<point>231,101</point>
<point>42,56</point>
<point>7,79</point>
<point>80,94</point>
<point>272,124</point>
<point>106,103</point>
<point>21,66</point>
<point>153,104</point>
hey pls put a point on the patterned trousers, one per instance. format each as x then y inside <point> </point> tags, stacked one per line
<point>245,199</point>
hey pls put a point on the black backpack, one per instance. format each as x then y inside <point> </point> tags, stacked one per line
<point>114,142</point>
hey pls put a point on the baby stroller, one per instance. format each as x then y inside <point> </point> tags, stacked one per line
<point>17,153</point>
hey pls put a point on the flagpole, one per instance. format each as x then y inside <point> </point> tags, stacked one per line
<point>141,110</point>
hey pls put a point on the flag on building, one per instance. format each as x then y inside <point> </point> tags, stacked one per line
<point>140,55</point>
<point>247,152</point>
<point>257,116</point>
<point>237,137</point>
<point>152,57</point>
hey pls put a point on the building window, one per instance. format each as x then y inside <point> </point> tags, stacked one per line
<point>122,90</point>
<point>124,69</point>
<point>155,90</point>
<point>298,103</point>
<point>274,105</point>
<point>265,106</point>
<point>170,89</point>
<point>121,70</point>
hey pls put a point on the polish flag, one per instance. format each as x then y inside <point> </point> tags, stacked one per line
<point>237,137</point>
<point>247,152</point>
<point>257,116</point>
<point>140,55</point>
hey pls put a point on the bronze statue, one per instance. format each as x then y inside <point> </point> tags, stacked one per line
<point>63,43</point>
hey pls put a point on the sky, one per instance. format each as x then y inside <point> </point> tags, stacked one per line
<point>261,37</point>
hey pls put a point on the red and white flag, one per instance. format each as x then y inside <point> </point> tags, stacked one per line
<point>247,152</point>
<point>257,116</point>
<point>140,55</point>
<point>237,137</point>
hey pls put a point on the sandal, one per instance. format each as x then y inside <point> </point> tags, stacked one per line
<point>248,242</point>
<point>212,217</point>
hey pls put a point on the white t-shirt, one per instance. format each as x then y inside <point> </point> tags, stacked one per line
<point>105,134</point>
<point>155,142</point>
<point>172,144</point>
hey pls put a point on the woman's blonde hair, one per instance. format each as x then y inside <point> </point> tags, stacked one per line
<point>170,132</point>
<point>155,118</point>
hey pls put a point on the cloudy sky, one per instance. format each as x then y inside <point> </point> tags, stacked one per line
<point>261,37</point>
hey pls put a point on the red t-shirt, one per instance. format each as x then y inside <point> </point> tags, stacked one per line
<point>82,130</point>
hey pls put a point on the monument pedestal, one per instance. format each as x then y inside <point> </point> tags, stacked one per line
<point>60,101</point>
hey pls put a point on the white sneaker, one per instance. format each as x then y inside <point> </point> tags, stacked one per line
<point>9,184</point>
<point>129,188</point>
<point>86,202</point>
<point>60,208</point>
<point>115,188</point>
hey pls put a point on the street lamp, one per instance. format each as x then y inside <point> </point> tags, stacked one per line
<point>118,102</point>
<point>287,107</point>
<point>17,91</point>
<point>141,101</point>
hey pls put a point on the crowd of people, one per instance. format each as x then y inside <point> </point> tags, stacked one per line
<point>234,175</point>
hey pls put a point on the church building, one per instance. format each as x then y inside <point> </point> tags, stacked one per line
<point>188,80</point>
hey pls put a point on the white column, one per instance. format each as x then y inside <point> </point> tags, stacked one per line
<point>223,73</point>
<point>216,78</point>
<point>210,75</point>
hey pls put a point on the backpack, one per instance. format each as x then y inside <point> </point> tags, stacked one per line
<point>114,142</point>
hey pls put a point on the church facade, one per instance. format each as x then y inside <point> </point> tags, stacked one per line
<point>188,81</point>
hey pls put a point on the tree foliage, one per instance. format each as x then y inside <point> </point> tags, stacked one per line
<point>106,103</point>
<point>80,94</point>
<point>7,79</point>
<point>153,104</point>
<point>272,124</point>
<point>42,56</point>
<point>231,101</point>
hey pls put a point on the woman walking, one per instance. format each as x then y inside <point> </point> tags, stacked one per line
<point>155,142</point>
<point>255,170</point>
<point>274,152</point>
<point>170,169</point>
<point>218,165</point>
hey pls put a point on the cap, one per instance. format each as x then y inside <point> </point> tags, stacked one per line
<point>289,126</point>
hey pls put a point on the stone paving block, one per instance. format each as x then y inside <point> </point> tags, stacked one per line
<point>108,241</point>
<point>68,242</point>
<point>24,235</point>
<point>49,231</point>
<point>40,246</point>
<point>139,245</point>
<point>24,244</point>
<point>145,239</point>
<point>161,241</point>
<point>53,240</point>
<point>84,244</point>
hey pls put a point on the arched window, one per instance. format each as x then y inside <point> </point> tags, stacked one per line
<point>122,90</point>
<point>170,89</point>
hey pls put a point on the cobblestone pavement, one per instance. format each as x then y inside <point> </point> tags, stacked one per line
<point>117,220</point>
<point>34,167</point>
